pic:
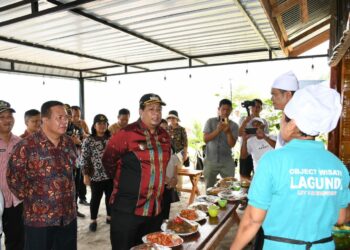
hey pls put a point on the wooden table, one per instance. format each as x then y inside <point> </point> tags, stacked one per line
<point>194,175</point>
<point>212,230</point>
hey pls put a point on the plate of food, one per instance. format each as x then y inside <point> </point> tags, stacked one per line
<point>232,195</point>
<point>149,246</point>
<point>180,226</point>
<point>207,198</point>
<point>163,239</point>
<point>192,214</point>
<point>215,190</point>
<point>202,206</point>
<point>226,182</point>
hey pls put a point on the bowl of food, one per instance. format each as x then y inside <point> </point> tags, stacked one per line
<point>245,184</point>
<point>213,211</point>
<point>341,237</point>
<point>222,203</point>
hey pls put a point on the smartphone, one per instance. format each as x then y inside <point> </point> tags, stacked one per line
<point>250,131</point>
<point>224,120</point>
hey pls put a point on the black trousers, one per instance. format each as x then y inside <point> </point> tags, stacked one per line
<point>128,229</point>
<point>80,187</point>
<point>51,238</point>
<point>246,166</point>
<point>13,227</point>
<point>97,190</point>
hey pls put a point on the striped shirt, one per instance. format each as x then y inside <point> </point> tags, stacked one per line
<point>5,152</point>
<point>137,160</point>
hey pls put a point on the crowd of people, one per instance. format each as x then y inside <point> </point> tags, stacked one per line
<point>45,171</point>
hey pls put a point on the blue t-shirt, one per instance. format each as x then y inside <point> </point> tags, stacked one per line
<point>302,186</point>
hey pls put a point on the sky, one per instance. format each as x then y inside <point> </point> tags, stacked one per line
<point>196,98</point>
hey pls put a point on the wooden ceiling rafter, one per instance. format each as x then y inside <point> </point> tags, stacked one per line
<point>277,24</point>
<point>309,44</point>
<point>275,10</point>
<point>279,9</point>
<point>304,11</point>
<point>308,32</point>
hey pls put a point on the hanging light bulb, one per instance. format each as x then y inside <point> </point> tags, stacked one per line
<point>312,64</point>
<point>164,78</point>
<point>190,76</point>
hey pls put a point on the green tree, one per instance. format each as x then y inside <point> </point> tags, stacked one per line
<point>195,139</point>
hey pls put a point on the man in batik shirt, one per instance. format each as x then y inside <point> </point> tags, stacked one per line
<point>41,173</point>
<point>137,157</point>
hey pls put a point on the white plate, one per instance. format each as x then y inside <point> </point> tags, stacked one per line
<point>207,198</point>
<point>232,195</point>
<point>200,216</point>
<point>204,203</point>
<point>175,237</point>
<point>149,246</point>
<point>164,228</point>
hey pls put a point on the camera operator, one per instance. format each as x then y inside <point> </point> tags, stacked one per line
<point>256,144</point>
<point>254,108</point>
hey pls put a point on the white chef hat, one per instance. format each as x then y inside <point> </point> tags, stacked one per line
<point>288,81</point>
<point>315,109</point>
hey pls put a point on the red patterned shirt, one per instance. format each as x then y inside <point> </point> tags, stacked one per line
<point>5,153</point>
<point>137,160</point>
<point>42,175</point>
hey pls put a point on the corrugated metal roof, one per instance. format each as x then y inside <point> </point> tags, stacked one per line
<point>139,35</point>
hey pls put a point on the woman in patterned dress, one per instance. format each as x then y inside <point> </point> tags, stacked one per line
<point>94,173</point>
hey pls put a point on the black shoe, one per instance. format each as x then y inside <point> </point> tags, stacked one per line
<point>80,215</point>
<point>84,202</point>
<point>93,227</point>
<point>108,221</point>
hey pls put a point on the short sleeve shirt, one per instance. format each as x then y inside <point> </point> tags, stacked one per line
<point>257,148</point>
<point>302,186</point>
<point>218,150</point>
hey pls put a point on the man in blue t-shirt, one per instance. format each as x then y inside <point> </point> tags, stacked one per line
<point>301,190</point>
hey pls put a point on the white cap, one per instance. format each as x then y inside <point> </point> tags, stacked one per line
<point>258,119</point>
<point>288,81</point>
<point>315,109</point>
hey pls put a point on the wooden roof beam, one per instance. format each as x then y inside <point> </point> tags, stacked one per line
<point>277,24</point>
<point>308,32</point>
<point>278,9</point>
<point>313,42</point>
<point>304,11</point>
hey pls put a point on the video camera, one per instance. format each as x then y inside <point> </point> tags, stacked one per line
<point>247,104</point>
